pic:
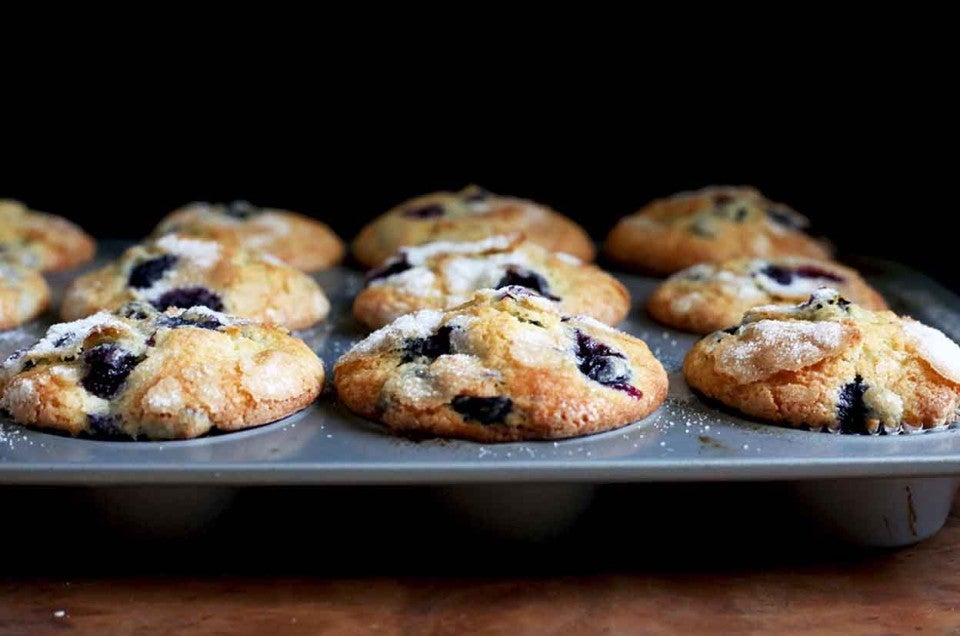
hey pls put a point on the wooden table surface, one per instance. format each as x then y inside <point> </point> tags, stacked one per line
<point>916,589</point>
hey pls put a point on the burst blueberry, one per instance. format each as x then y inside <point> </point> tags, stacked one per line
<point>851,410</point>
<point>107,368</point>
<point>781,275</point>
<point>522,277</point>
<point>390,268</point>
<point>810,271</point>
<point>431,347</point>
<point>135,311</point>
<point>602,364</point>
<point>484,410</point>
<point>187,297</point>
<point>785,276</point>
<point>105,425</point>
<point>148,272</point>
<point>201,322</point>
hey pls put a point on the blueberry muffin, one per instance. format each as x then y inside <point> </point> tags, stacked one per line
<point>505,366</point>
<point>831,365</point>
<point>140,373</point>
<point>41,241</point>
<point>712,296</point>
<point>707,226</point>
<point>178,271</point>
<point>472,214</point>
<point>297,240</point>
<point>443,274</point>
<point>24,294</point>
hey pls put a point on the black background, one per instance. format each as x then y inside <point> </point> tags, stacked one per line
<point>872,191</point>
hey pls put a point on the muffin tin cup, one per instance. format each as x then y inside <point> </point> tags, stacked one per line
<point>882,491</point>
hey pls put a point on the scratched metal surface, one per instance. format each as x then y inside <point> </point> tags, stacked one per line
<point>684,440</point>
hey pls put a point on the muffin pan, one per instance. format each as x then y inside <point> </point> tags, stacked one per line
<point>886,490</point>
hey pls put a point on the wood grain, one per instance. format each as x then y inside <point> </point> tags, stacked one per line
<point>789,588</point>
<point>892,592</point>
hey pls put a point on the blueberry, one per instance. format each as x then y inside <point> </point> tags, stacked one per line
<point>175,322</point>
<point>107,367</point>
<point>187,297</point>
<point>602,364</point>
<point>516,291</point>
<point>485,410</point>
<point>741,215</point>
<point>148,272</point>
<point>785,276</point>
<point>134,312</point>
<point>782,275</point>
<point>242,210</point>
<point>431,347</point>
<point>105,425</point>
<point>428,211</point>
<point>522,277</point>
<point>851,411</point>
<point>810,271</point>
<point>390,268</point>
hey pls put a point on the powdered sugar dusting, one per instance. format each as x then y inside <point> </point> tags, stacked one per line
<point>464,275</point>
<point>569,259</point>
<point>823,304</point>
<point>199,311</point>
<point>416,325</point>
<point>417,281</point>
<point>595,324</point>
<point>71,335</point>
<point>932,345</point>
<point>200,252</point>
<point>769,346</point>
<point>419,254</point>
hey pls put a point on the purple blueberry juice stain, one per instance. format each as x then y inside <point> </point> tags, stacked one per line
<point>175,322</point>
<point>602,364</point>
<point>785,275</point>
<point>187,297</point>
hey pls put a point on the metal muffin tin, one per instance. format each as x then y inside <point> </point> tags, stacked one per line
<point>884,490</point>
